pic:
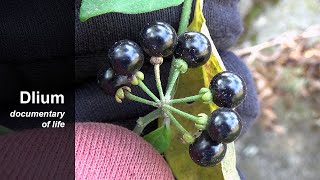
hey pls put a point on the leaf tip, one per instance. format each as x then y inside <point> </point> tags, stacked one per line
<point>83,18</point>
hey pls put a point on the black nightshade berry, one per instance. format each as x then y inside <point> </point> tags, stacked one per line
<point>224,125</point>
<point>206,152</point>
<point>194,48</point>
<point>126,57</point>
<point>228,89</point>
<point>111,82</point>
<point>158,39</point>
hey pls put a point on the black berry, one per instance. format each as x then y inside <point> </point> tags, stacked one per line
<point>194,48</point>
<point>206,152</point>
<point>111,82</point>
<point>224,125</point>
<point>158,39</point>
<point>126,57</point>
<point>228,89</point>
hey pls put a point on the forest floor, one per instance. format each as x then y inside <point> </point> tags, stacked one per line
<point>285,61</point>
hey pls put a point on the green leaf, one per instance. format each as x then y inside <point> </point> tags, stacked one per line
<point>91,8</point>
<point>159,138</point>
<point>177,155</point>
<point>4,130</point>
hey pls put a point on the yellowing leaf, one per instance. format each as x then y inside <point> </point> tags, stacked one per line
<point>189,84</point>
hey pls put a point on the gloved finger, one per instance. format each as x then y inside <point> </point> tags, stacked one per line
<point>38,154</point>
<point>105,151</point>
<point>224,22</point>
<point>95,36</point>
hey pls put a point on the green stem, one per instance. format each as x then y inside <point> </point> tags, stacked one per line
<point>142,122</point>
<point>172,83</point>
<point>176,123</point>
<point>158,80</point>
<point>183,27</point>
<point>147,90</point>
<point>184,114</point>
<point>139,99</point>
<point>185,16</point>
<point>186,99</point>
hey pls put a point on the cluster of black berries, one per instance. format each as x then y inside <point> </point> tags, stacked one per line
<point>157,39</point>
<point>224,125</point>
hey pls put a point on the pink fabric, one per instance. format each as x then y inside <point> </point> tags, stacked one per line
<point>100,151</point>
<point>105,151</point>
<point>38,154</point>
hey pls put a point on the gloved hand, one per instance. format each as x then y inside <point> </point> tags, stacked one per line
<point>25,58</point>
<point>95,36</point>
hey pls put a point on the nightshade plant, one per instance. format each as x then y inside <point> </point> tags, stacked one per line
<point>191,50</point>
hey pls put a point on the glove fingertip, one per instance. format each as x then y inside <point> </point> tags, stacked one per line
<point>113,152</point>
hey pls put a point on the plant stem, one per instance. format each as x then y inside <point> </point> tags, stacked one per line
<point>185,16</point>
<point>184,114</point>
<point>139,99</point>
<point>147,90</point>
<point>186,99</point>
<point>176,123</point>
<point>166,120</point>
<point>172,82</point>
<point>158,80</point>
<point>142,122</point>
<point>183,26</point>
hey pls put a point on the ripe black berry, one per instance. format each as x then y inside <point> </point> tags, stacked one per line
<point>224,125</point>
<point>194,48</point>
<point>126,57</point>
<point>158,39</point>
<point>111,82</point>
<point>206,152</point>
<point>228,89</point>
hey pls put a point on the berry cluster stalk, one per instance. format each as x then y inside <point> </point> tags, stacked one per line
<point>144,121</point>
<point>183,26</point>
<point>158,80</point>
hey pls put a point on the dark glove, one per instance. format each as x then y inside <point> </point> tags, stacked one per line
<point>95,36</point>
<point>33,56</point>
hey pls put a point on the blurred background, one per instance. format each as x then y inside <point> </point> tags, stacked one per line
<point>281,45</point>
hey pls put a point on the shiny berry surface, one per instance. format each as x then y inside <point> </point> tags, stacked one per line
<point>206,152</point>
<point>224,125</point>
<point>126,57</point>
<point>158,39</point>
<point>109,81</point>
<point>194,48</point>
<point>228,89</point>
